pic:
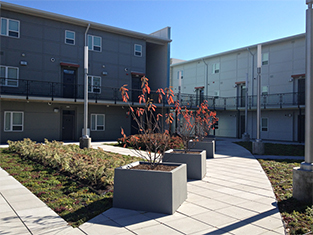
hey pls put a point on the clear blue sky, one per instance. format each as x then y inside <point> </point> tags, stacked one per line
<point>199,27</point>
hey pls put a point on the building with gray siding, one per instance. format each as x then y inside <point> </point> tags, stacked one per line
<point>221,79</point>
<point>42,71</point>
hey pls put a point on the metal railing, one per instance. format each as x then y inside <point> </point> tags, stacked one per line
<point>54,90</point>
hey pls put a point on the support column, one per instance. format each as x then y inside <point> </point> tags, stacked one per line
<point>85,140</point>
<point>303,175</point>
<point>258,145</point>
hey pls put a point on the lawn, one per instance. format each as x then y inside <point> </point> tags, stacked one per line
<point>298,217</point>
<point>74,199</point>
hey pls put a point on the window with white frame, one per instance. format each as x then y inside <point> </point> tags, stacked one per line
<point>94,43</point>
<point>265,58</point>
<point>264,124</point>
<point>138,50</point>
<point>97,122</point>
<point>94,84</point>
<point>13,121</point>
<point>10,27</point>
<point>69,37</point>
<point>216,68</point>
<point>9,76</point>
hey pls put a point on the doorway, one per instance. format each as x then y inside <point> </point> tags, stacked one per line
<point>69,83</point>
<point>136,88</point>
<point>68,124</point>
<point>301,91</point>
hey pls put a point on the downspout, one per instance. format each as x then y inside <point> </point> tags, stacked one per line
<point>252,88</point>
<point>85,133</point>
<point>206,79</point>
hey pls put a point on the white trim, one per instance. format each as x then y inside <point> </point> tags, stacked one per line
<point>93,42</point>
<point>8,30</point>
<point>138,51</point>
<point>93,87</point>
<point>65,37</point>
<point>6,79</point>
<point>96,125</point>
<point>11,121</point>
<point>267,129</point>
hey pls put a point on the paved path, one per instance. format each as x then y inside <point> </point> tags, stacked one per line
<point>235,197</point>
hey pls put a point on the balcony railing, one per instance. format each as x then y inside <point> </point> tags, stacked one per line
<point>52,90</point>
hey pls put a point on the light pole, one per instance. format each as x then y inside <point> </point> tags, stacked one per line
<point>303,175</point>
<point>85,140</point>
<point>258,145</point>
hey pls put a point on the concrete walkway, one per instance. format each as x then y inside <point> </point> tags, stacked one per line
<point>235,197</point>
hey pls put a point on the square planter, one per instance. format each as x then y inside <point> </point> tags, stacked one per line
<point>195,160</point>
<point>149,190</point>
<point>207,144</point>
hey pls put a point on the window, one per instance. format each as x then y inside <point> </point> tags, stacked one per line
<point>94,84</point>
<point>138,50</point>
<point>181,74</point>
<point>216,68</point>
<point>8,76</point>
<point>265,58</point>
<point>10,27</point>
<point>264,124</point>
<point>264,90</point>
<point>13,121</point>
<point>94,43</point>
<point>69,37</point>
<point>97,122</point>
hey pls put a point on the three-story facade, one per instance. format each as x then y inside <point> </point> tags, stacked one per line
<point>42,74</point>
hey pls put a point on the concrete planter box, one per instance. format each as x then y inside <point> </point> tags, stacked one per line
<point>148,190</point>
<point>207,144</point>
<point>196,162</point>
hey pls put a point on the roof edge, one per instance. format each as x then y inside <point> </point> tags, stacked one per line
<point>81,22</point>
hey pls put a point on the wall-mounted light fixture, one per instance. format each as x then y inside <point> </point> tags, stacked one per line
<point>104,73</point>
<point>291,80</point>
<point>49,103</point>
<point>56,110</point>
<point>235,86</point>
<point>126,69</point>
<point>52,59</point>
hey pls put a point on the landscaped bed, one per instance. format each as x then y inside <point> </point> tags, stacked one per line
<point>75,183</point>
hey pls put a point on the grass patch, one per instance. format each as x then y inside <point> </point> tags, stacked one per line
<point>277,149</point>
<point>74,199</point>
<point>297,216</point>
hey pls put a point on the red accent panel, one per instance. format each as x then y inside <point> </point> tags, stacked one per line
<point>200,87</point>
<point>69,65</point>
<point>298,75</point>
<point>137,74</point>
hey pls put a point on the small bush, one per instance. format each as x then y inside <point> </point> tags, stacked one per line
<point>136,142</point>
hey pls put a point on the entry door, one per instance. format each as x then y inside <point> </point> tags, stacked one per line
<point>242,93</point>
<point>69,81</point>
<point>68,125</point>
<point>242,125</point>
<point>136,86</point>
<point>301,91</point>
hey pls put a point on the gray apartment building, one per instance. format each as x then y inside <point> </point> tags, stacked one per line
<point>42,74</point>
<point>221,79</point>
